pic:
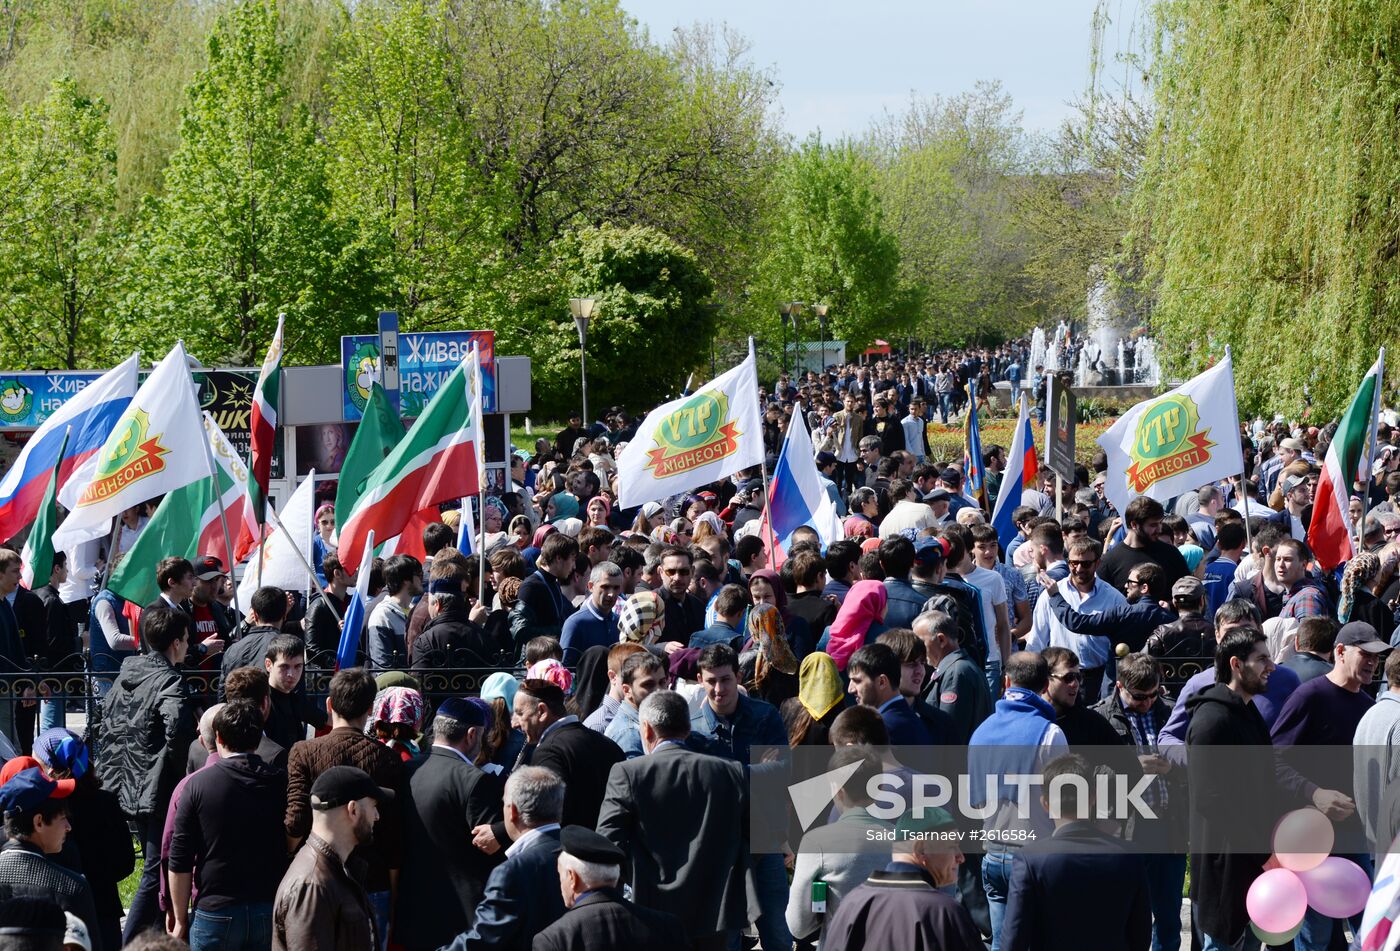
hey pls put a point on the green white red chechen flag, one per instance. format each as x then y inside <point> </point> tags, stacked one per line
<point>262,425</point>
<point>1177,442</point>
<point>36,560</point>
<point>156,447</point>
<point>187,523</point>
<point>1330,536</point>
<point>436,461</point>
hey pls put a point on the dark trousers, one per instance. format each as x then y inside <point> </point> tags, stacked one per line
<point>1090,686</point>
<point>145,904</point>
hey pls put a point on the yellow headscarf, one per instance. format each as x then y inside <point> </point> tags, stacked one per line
<point>819,687</point>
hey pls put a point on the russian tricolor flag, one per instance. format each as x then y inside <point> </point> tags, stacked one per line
<point>796,496</point>
<point>348,650</point>
<point>1022,467</point>
<point>90,417</point>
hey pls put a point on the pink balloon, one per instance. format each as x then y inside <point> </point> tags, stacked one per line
<point>1276,901</point>
<point>1302,839</point>
<point>1338,888</point>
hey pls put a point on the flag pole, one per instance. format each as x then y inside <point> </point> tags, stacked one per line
<point>763,471</point>
<point>272,515</point>
<point>223,515</point>
<point>1371,427</point>
<point>479,431</point>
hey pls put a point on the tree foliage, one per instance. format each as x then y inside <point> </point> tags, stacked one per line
<point>1268,195</point>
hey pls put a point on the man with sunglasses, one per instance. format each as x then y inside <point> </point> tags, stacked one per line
<point>1089,595</point>
<point>1082,727</point>
<point>1136,710</point>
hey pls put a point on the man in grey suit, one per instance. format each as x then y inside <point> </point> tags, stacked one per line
<point>680,817</point>
<point>522,896</point>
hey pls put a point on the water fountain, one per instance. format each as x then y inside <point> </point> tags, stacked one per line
<point>1037,352</point>
<point>1081,372</point>
<point>1122,362</point>
<point>1052,356</point>
<point>1146,369</point>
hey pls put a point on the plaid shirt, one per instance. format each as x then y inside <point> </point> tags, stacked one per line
<point>1307,600</point>
<point>1144,728</point>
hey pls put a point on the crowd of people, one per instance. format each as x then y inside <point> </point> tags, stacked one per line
<point>635,668</point>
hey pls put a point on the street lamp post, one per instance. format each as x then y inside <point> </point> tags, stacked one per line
<point>796,308</point>
<point>821,310</point>
<point>785,309</point>
<point>582,309</point>
<point>714,319</point>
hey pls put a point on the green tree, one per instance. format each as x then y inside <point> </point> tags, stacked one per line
<point>826,241</point>
<point>1267,203</point>
<point>401,171</point>
<point>650,326</point>
<point>65,245</point>
<point>243,230</point>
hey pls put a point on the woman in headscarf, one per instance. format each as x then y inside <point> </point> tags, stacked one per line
<point>561,505</point>
<point>569,526</point>
<point>552,670</point>
<point>396,720</point>
<point>766,587</point>
<point>599,511</point>
<point>643,618</point>
<point>860,620</point>
<point>680,532</point>
<point>494,518</point>
<point>506,741</point>
<point>821,696</point>
<point>650,517</point>
<point>1357,603</point>
<point>707,525</point>
<point>520,531</point>
<point>767,667</point>
<point>592,680</point>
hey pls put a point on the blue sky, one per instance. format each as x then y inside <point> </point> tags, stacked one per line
<point>841,63</point>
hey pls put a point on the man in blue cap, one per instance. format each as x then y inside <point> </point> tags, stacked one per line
<point>598,917</point>
<point>36,824</point>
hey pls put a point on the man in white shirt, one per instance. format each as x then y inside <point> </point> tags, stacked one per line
<point>1085,592</point>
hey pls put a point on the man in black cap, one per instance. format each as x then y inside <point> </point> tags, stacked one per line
<point>211,619</point>
<point>36,825</point>
<point>446,796</point>
<point>319,905</point>
<point>599,917</point>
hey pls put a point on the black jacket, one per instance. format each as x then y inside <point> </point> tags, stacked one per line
<point>147,724</point>
<point>248,651</point>
<point>451,640</point>
<point>1229,748</point>
<point>521,899</point>
<point>25,872</point>
<point>583,758</point>
<point>682,820</point>
<point>1190,635</point>
<point>445,797</point>
<point>541,609</point>
<point>322,626</point>
<point>604,919</point>
<point>1080,890</point>
<point>103,843</point>
<point>61,633</point>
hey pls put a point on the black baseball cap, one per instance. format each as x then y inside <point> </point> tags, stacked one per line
<point>343,784</point>
<point>208,567</point>
<point>1362,635</point>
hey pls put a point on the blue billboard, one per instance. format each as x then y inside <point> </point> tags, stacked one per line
<point>425,361</point>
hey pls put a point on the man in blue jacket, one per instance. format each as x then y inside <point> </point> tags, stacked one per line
<point>594,623</point>
<point>522,895</point>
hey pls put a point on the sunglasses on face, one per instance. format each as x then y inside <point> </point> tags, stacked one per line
<point>1073,677</point>
<point>1141,696</point>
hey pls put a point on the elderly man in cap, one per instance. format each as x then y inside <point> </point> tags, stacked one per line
<point>36,825</point>
<point>590,868</point>
<point>446,796</point>
<point>320,906</point>
<point>1325,711</point>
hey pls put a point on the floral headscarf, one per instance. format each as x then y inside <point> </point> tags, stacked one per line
<point>643,618</point>
<point>765,627</point>
<point>495,504</point>
<point>398,705</point>
<point>553,671</point>
<point>819,686</point>
<point>864,605</point>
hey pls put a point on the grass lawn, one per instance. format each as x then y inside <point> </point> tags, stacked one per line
<point>126,888</point>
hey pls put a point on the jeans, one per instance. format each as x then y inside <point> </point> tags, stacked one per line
<point>992,671</point>
<point>246,926</point>
<point>145,903</point>
<point>945,406</point>
<point>379,901</point>
<point>51,714</point>
<point>770,886</point>
<point>996,881</point>
<point>1316,933</point>
<point>1166,874</point>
